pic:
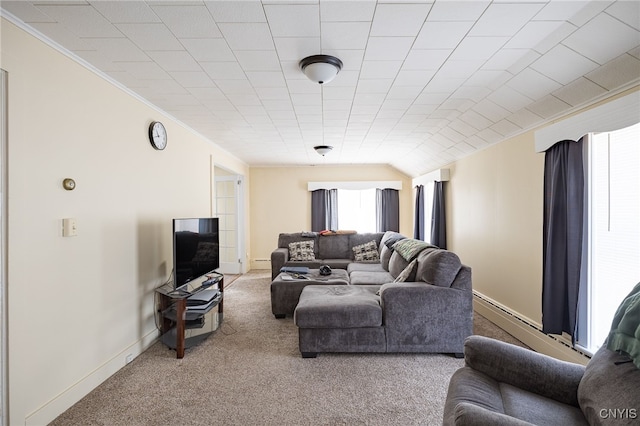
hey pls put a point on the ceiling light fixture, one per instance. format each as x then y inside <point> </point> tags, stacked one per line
<point>321,68</point>
<point>323,149</point>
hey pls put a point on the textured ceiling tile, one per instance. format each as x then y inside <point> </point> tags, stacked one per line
<point>293,20</point>
<point>476,120</point>
<point>347,10</point>
<point>82,20</point>
<point>504,19</point>
<point>151,36</point>
<point>238,11</point>
<point>525,118</point>
<point>458,10</point>
<point>188,21</point>
<point>617,73</point>
<point>175,60</point>
<point>388,48</point>
<point>399,19</point>
<point>627,12</point>
<point>426,59</point>
<point>243,36</point>
<point>441,35</point>
<point>296,48</point>
<point>533,84</point>
<point>208,49</point>
<point>603,39</point>
<point>563,64</point>
<point>192,78</point>
<point>344,35</point>
<point>548,107</point>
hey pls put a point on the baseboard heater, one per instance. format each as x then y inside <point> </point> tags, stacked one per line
<point>527,331</point>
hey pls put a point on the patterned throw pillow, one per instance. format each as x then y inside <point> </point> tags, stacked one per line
<point>301,250</point>
<point>366,252</point>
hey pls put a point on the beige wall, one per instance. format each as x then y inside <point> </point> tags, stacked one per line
<point>494,209</point>
<point>280,201</point>
<point>79,305</point>
<point>494,219</point>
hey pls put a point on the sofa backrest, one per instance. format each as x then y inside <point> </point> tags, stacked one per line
<point>335,246</point>
<point>437,266</point>
<point>340,246</point>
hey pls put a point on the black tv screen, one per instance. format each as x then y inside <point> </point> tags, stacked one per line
<point>196,248</point>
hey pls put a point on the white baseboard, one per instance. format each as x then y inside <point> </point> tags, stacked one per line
<point>527,331</point>
<point>59,404</point>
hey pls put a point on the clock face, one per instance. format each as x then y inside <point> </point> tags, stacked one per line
<point>157,135</point>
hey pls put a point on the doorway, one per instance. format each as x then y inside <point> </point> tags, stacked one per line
<point>228,208</point>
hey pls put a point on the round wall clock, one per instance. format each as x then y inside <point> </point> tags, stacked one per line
<point>157,135</point>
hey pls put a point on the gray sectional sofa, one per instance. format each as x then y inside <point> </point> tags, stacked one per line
<point>333,250</point>
<point>411,300</point>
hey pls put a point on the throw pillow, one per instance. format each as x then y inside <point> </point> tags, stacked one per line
<point>392,240</point>
<point>301,250</point>
<point>366,252</point>
<point>406,272</point>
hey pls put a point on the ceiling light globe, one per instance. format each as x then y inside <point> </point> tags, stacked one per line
<point>321,68</point>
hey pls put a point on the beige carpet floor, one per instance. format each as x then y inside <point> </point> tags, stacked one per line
<point>249,372</point>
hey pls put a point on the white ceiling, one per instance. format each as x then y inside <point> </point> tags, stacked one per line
<point>424,82</point>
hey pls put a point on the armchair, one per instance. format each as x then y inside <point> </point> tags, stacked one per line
<point>504,384</point>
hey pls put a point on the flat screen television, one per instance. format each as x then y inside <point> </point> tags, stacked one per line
<point>196,249</point>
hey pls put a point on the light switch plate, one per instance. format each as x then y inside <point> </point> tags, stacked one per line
<point>69,228</point>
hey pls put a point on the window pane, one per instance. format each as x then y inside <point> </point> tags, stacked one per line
<point>614,226</point>
<point>357,210</point>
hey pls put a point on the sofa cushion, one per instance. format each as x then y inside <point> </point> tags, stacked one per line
<point>397,264</point>
<point>301,250</point>
<point>537,409</point>
<point>370,277</point>
<point>365,266</point>
<point>366,252</point>
<point>610,382</point>
<point>437,266</point>
<point>385,256</point>
<point>410,248</point>
<point>328,306</point>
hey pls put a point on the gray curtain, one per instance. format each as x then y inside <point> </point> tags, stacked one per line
<point>438,221</point>
<point>387,210</point>
<point>324,209</point>
<point>418,221</point>
<point>562,236</point>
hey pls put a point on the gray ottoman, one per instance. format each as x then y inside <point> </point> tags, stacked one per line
<point>285,294</point>
<point>339,319</point>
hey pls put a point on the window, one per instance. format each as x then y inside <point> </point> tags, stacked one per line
<point>357,209</point>
<point>613,231</point>
<point>428,210</point>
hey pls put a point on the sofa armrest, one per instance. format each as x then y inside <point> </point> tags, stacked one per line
<point>524,368</point>
<point>466,413</point>
<point>278,258</point>
<point>420,317</point>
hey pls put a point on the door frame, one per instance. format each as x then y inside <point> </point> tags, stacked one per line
<point>4,313</point>
<point>240,212</point>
